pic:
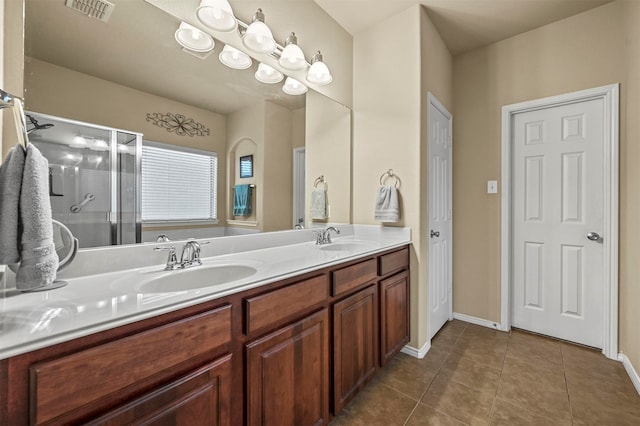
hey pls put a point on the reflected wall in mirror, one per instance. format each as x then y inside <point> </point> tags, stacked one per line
<point>113,74</point>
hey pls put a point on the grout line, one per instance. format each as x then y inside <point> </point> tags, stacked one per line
<point>566,383</point>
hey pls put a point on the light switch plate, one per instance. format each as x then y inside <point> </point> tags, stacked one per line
<point>492,187</point>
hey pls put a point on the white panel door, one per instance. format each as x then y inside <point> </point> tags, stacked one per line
<point>440,215</point>
<point>558,220</point>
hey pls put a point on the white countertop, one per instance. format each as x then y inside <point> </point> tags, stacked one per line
<point>98,297</point>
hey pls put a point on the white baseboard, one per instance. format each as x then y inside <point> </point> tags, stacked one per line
<point>633,374</point>
<point>477,321</point>
<point>417,353</point>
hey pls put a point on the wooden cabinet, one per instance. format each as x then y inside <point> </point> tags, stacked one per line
<point>200,398</point>
<point>394,315</point>
<point>288,374</point>
<point>285,353</point>
<point>355,344</point>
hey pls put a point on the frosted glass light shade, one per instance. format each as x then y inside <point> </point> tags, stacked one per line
<point>258,37</point>
<point>319,72</point>
<point>192,38</point>
<point>233,58</point>
<point>217,15</point>
<point>79,142</point>
<point>293,87</point>
<point>269,75</point>
<point>292,58</point>
<point>100,145</point>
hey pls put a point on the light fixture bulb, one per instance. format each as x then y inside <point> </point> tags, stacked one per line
<point>293,87</point>
<point>217,15</point>
<point>234,58</point>
<point>292,57</point>
<point>79,142</point>
<point>319,73</point>
<point>258,37</point>
<point>192,38</point>
<point>269,75</point>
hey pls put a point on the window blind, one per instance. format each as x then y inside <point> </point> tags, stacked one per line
<point>178,184</point>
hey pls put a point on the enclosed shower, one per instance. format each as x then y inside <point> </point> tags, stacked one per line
<point>94,178</point>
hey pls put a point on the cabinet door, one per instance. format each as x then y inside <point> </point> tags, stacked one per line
<point>355,344</point>
<point>288,374</point>
<point>394,315</point>
<point>200,398</point>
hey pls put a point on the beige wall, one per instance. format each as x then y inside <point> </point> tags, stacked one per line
<point>11,54</point>
<point>328,154</point>
<point>595,48</point>
<point>395,63</point>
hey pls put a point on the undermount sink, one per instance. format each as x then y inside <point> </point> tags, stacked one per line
<point>195,278</point>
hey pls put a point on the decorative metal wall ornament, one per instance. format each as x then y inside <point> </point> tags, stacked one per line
<point>178,123</point>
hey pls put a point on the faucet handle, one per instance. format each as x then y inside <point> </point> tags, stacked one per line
<point>172,259</point>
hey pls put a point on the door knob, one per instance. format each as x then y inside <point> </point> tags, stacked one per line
<point>434,234</point>
<point>593,236</point>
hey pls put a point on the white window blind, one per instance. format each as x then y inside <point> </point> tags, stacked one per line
<point>178,184</point>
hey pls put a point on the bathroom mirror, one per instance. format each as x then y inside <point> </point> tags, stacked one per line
<point>129,71</point>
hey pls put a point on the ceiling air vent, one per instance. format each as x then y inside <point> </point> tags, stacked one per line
<point>99,9</point>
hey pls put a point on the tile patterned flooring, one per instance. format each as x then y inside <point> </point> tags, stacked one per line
<point>477,376</point>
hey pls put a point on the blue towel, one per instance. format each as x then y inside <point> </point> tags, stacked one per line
<point>242,200</point>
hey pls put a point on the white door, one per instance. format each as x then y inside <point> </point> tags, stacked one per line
<point>440,216</point>
<point>558,221</point>
<point>298,186</point>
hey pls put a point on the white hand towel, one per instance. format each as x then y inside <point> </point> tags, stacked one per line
<point>11,172</point>
<point>387,208</point>
<point>319,204</point>
<point>39,261</point>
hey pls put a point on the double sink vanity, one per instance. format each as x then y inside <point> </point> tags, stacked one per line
<point>270,329</point>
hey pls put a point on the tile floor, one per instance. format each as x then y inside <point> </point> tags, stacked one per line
<point>474,376</point>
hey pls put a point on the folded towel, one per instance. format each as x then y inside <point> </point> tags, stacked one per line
<point>387,209</point>
<point>242,200</point>
<point>319,204</point>
<point>39,261</point>
<point>11,172</point>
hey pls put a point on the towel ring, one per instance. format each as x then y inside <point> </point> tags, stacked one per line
<point>389,173</point>
<point>320,180</point>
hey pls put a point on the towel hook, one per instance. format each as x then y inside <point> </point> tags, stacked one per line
<point>318,181</point>
<point>387,174</point>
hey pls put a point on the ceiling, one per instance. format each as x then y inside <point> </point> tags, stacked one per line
<point>463,24</point>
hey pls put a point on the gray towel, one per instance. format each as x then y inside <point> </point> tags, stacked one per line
<point>387,208</point>
<point>10,185</point>
<point>39,261</point>
<point>319,204</point>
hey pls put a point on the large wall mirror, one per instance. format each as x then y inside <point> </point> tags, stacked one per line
<point>126,81</point>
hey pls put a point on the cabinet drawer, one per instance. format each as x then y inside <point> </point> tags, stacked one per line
<point>202,397</point>
<point>273,307</point>
<point>348,278</point>
<point>62,385</point>
<point>394,261</point>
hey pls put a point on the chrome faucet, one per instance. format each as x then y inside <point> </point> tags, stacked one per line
<point>324,236</point>
<point>190,255</point>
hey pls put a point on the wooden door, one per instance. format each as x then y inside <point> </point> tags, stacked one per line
<point>440,230</point>
<point>558,221</point>
<point>355,344</point>
<point>288,374</point>
<point>394,315</point>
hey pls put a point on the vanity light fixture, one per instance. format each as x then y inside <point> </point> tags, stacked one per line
<point>217,15</point>
<point>319,73</point>
<point>258,37</point>
<point>292,57</point>
<point>293,87</point>
<point>192,38</point>
<point>234,58</point>
<point>269,75</point>
<point>100,145</point>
